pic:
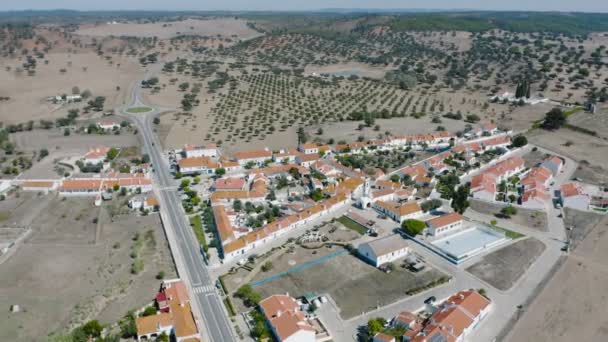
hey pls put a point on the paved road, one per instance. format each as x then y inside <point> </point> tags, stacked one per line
<point>207,304</point>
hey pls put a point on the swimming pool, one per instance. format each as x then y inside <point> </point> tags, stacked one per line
<point>467,243</point>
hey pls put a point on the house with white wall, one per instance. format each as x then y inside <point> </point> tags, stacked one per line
<point>383,250</point>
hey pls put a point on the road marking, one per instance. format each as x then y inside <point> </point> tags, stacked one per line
<point>204,289</point>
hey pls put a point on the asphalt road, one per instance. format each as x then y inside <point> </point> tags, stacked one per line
<point>206,302</point>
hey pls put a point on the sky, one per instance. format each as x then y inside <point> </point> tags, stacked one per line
<point>282,5</point>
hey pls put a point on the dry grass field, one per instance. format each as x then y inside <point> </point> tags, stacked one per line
<point>71,269</point>
<point>86,70</point>
<point>572,306</point>
<point>225,27</point>
<point>589,151</point>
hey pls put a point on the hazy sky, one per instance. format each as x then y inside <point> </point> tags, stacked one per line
<point>535,5</point>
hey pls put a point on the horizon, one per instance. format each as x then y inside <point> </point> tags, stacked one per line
<point>590,6</point>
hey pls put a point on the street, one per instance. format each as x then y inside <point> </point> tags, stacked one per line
<point>207,306</point>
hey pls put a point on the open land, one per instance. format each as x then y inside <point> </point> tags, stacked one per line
<point>72,269</point>
<point>589,151</point>
<point>85,70</point>
<point>227,27</point>
<point>502,268</point>
<point>535,219</point>
<point>575,296</point>
<point>354,285</point>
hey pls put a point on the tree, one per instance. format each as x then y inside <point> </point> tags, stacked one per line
<point>220,172</point>
<point>508,211</point>
<point>375,325</point>
<point>112,153</point>
<point>520,140</point>
<point>248,295</point>
<point>460,202</point>
<point>92,328</point>
<point>554,119</point>
<point>237,205</point>
<point>185,182</point>
<point>302,137</point>
<point>413,227</point>
<point>163,337</point>
<point>430,205</point>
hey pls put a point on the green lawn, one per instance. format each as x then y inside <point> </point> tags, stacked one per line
<point>135,110</point>
<point>350,224</point>
<point>197,227</point>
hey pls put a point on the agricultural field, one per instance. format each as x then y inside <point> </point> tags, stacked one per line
<point>57,293</point>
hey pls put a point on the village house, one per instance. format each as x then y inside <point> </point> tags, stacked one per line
<point>382,337</point>
<point>453,320</point>
<point>309,148</point>
<point>286,156</point>
<point>229,184</point>
<point>286,320</point>
<point>444,224</point>
<point>39,186</point>
<point>148,203</point>
<point>306,160</point>
<point>108,125</point>
<point>384,250</point>
<point>194,151</point>
<point>483,186</point>
<point>256,157</point>
<point>572,196</point>
<point>399,212</point>
<point>203,165</point>
<point>96,155</point>
<point>174,315</point>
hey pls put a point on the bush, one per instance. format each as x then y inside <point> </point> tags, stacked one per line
<point>508,211</point>
<point>267,266</point>
<point>413,227</point>
<point>248,295</point>
<point>520,141</point>
<point>149,311</point>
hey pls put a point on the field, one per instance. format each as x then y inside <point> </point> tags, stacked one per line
<point>86,70</point>
<point>61,147</point>
<point>225,27</point>
<point>355,286</point>
<point>574,297</point>
<point>502,268</point>
<point>72,269</point>
<point>534,219</point>
<point>589,151</point>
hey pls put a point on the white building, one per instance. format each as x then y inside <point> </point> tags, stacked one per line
<point>444,224</point>
<point>108,125</point>
<point>193,151</point>
<point>383,250</point>
<point>257,157</point>
<point>572,196</point>
<point>399,212</point>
